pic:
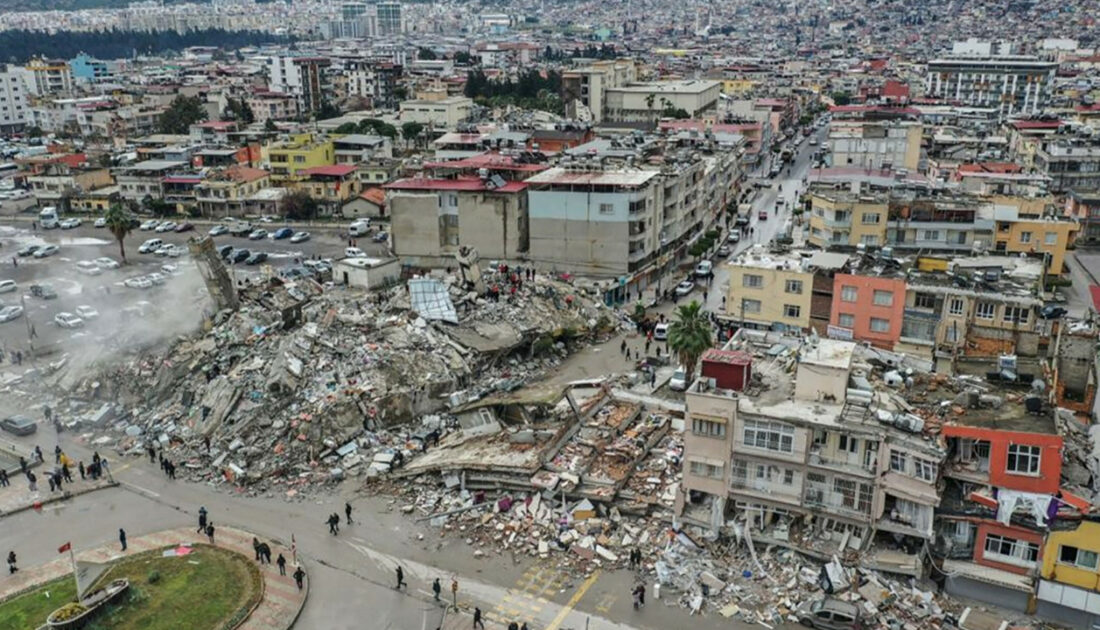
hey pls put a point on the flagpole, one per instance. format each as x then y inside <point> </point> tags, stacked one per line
<point>72,558</point>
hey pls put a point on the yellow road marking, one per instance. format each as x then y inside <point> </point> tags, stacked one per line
<point>556,623</point>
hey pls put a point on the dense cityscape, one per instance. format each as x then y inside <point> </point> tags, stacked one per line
<point>549,316</point>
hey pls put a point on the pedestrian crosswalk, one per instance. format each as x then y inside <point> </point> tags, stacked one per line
<point>530,595</point>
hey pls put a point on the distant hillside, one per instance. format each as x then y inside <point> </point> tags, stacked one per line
<point>18,46</point>
<point>73,5</point>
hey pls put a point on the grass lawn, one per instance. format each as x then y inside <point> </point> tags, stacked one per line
<point>202,591</point>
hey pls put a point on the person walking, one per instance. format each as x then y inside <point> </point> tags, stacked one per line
<point>478,623</point>
<point>53,486</point>
<point>622,348</point>
<point>333,524</point>
<point>66,473</point>
<point>202,520</point>
<point>256,547</point>
<point>38,454</point>
<point>11,563</point>
<point>210,532</point>
<point>4,478</point>
<point>281,561</point>
<point>22,465</point>
<point>299,574</point>
<point>265,553</point>
<point>454,591</point>
<point>401,578</point>
<point>347,512</point>
<point>122,538</point>
<point>33,481</point>
<point>57,454</point>
<point>436,588</point>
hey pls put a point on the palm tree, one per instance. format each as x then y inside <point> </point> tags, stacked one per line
<point>689,335</point>
<point>118,222</point>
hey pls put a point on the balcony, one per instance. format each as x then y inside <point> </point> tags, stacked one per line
<point>764,490</point>
<point>838,222</point>
<point>853,464</point>
<point>818,497</point>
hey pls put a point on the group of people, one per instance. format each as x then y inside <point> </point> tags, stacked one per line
<point>514,276</point>
<point>333,519</point>
<point>61,473</point>
<point>15,355</point>
<point>166,465</point>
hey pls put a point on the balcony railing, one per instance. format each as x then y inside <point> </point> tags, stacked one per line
<point>821,498</point>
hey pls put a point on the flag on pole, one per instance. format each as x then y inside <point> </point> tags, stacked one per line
<point>293,550</point>
<point>63,548</point>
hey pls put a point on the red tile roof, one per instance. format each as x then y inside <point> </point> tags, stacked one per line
<point>1036,124</point>
<point>375,195</point>
<point>333,170</point>
<point>468,184</point>
<point>990,167</point>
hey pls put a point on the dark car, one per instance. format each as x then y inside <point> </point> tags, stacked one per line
<point>1052,311</point>
<point>19,425</point>
<point>29,250</point>
<point>225,250</point>
<point>256,258</point>
<point>184,227</point>
<point>44,291</point>
<point>282,233</point>
<point>239,255</point>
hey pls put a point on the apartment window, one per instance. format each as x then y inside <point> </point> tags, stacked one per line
<point>870,218</point>
<point>708,428</point>
<point>899,461</point>
<point>773,436</point>
<point>1025,237</point>
<point>931,235</point>
<point>846,320</point>
<point>924,300</point>
<point>703,469</point>
<point>750,306</point>
<point>606,208</point>
<point>924,469</point>
<point>955,306</point>
<point>788,477</point>
<point>1050,238</point>
<point>883,298</point>
<point>752,281</point>
<point>985,310</point>
<point>1023,459</point>
<point>791,311</point>
<point>870,240</point>
<point>299,159</point>
<point>1018,314</point>
<point>1011,550</point>
<point>794,286</point>
<point>1077,557</point>
<point>880,325</point>
<point>848,294</point>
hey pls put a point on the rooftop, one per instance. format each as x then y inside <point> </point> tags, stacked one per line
<point>467,184</point>
<point>333,170</point>
<point>560,175</point>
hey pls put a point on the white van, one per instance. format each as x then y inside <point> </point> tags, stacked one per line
<point>359,228</point>
<point>48,218</point>
<point>704,269</point>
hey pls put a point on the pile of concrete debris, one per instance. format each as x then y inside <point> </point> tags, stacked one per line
<point>303,384</point>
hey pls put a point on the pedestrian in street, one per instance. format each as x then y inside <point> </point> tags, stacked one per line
<point>66,473</point>
<point>4,478</point>
<point>653,378</point>
<point>11,563</point>
<point>122,538</point>
<point>333,524</point>
<point>641,592</point>
<point>401,578</point>
<point>436,588</point>
<point>347,512</point>
<point>647,342</point>
<point>53,486</point>
<point>152,453</point>
<point>265,553</point>
<point>622,347</point>
<point>706,294</point>
<point>202,520</point>
<point>299,574</point>
<point>637,598</point>
<point>513,626</point>
<point>171,470</point>
<point>210,532</point>
<point>454,591</point>
<point>57,454</point>
<point>38,454</point>
<point>256,547</point>
<point>478,623</point>
<point>206,443</point>
<point>281,561</point>
<point>22,465</point>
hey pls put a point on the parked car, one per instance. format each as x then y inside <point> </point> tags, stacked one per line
<point>704,269</point>
<point>7,286</point>
<point>150,246</point>
<point>19,425</point>
<point>88,267</point>
<point>353,252</point>
<point>240,229</point>
<point>225,250</point>
<point>267,218</point>
<point>171,250</point>
<point>151,224</point>
<point>256,258</point>
<point>185,227</point>
<point>724,251</point>
<point>678,382</point>
<point>106,263</point>
<point>282,233</point>
<point>86,312</point>
<point>684,288</point>
<point>68,320</point>
<point>100,222</point>
<point>1052,311</point>
<point>9,313</point>
<point>660,331</point>
<point>167,226</point>
<point>299,237</point>
<point>157,278</point>
<point>140,282</point>
<point>380,237</point>
<point>70,223</point>
<point>762,215</point>
<point>239,255</point>
<point>44,291</point>
<point>218,230</point>
<point>734,236</point>
<point>28,250</point>
<point>830,614</point>
<point>359,227</point>
<point>46,251</point>
<point>257,235</point>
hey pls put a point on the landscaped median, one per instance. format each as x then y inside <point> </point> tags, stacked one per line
<point>172,580</point>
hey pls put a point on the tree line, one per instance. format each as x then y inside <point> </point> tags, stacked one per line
<point>20,45</point>
<point>531,90</point>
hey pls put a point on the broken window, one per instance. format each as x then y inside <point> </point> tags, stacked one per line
<point>703,469</point>
<point>1010,550</point>
<point>1023,459</point>
<point>924,469</point>
<point>1077,557</point>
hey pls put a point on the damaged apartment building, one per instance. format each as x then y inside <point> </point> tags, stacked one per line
<point>620,211</point>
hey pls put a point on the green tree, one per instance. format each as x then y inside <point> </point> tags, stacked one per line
<point>387,130</point>
<point>411,131</point>
<point>270,127</point>
<point>463,58</point>
<point>689,335</point>
<point>240,111</point>
<point>119,221</point>
<point>299,206</point>
<point>427,54</point>
<point>328,110</point>
<point>346,129</point>
<point>182,112</point>
<point>841,98</point>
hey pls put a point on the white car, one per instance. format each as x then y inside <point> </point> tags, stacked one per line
<point>171,251</point>
<point>68,320</point>
<point>140,282</point>
<point>299,237</point>
<point>19,194</point>
<point>704,269</point>
<point>48,250</point>
<point>151,224</point>
<point>157,278</point>
<point>150,246</point>
<point>7,286</point>
<point>257,235</point>
<point>100,222</point>
<point>353,252</point>
<point>167,226</point>
<point>9,313</point>
<point>218,230</point>
<point>86,312</point>
<point>88,267</point>
<point>684,288</point>
<point>660,331</point>
<point>678,382</point>
<point>106,263</point>
<point>68,224</point>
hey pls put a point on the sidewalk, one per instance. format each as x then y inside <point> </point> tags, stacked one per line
<point>18,497</point>
<point>278,610</point>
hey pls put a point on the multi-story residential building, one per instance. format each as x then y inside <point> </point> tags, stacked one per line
<point>1085,207</point>
<point>940,222</point>
<point>273,106</point>
<point>769,292</point>
<point>15,114</point>
<point>872,144</point>
<point>390,19</point>
<point>59,183</point>
<point>868,308</point>
<point>1012,84</point>
<point>86,69</point>
<point>48,76</point>
<point>332,186</point>
<point>1071,162</point>
<point>445,113</point>
<point>224,191</point>
<point>288,158</point>
<point>584,88</point>
<point>847,216</point>
<point>646,102</point>
<point>1070,575</point>
<point>357,148</point>
<point>146,179</point>
<point>302,77</point>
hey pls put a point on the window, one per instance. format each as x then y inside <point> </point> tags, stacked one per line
<point>870,218</point>
<point>1016,314</point>
<point>924,300</point>
<point>846,320</point>
<point>750,306</point>
<point>299,159</point>
<point>1023,459</point>
<point>794,286</point>
<point>791,311</point>
<point>1077,557</point>
<point>880,325</point>
<point>924,469</point>
<point>752,281</point>
<point>931,235</point>
<point>708,428</point>
<point>1025,237</point>
<point>869,239</point>
<point>955,306</point>
<point>985,310</point>
<point>788,477</point>
<point>883,298</point>
<point>606,208</point>
<point>1011,550</point>
<point>1050,238</point>
<point>899,461</point>
<point>848,294</point>
<point>773,436</point>
<point>703,469</point>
